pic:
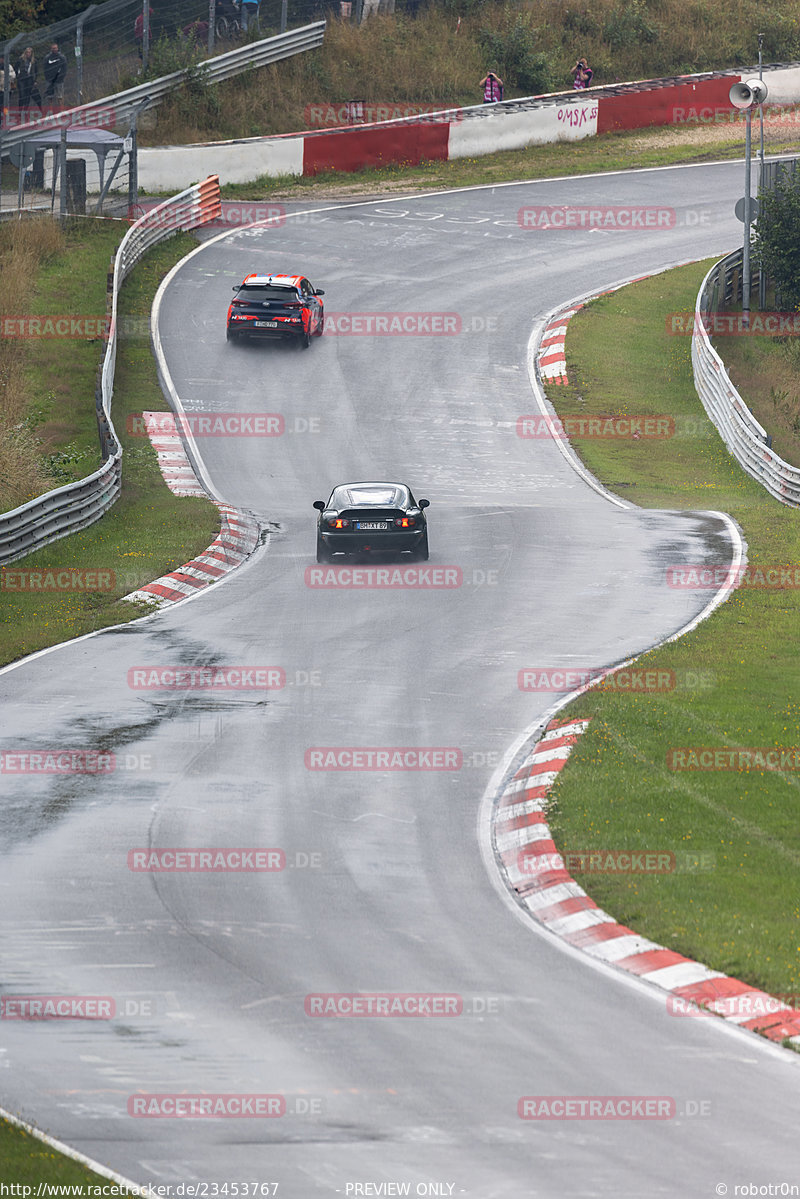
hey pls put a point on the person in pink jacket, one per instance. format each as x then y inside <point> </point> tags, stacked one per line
<point>492,88</point>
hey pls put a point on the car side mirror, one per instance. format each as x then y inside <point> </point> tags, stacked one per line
<point>319,292</point>
<point>319,505</point>
<point>235,288</point>
<point>424,504</point>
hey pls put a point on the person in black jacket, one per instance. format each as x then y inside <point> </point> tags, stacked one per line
<point>55,70</point>
<point>26,79</point>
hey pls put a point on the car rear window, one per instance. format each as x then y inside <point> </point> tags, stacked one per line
<point>268,293</point>
<point>378,497</point>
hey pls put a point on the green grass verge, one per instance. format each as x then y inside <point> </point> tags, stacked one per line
<point>738,673</point>
<point>148,531</point>
<point>60,372</point>
<point>638,148</point>
<point>25,1160</point>
<point>766,373</point>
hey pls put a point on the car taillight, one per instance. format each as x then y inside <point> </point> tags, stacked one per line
<point>239,303</point>
<point>339,522</point>
<point>405,522</point>
<point>293,305</point>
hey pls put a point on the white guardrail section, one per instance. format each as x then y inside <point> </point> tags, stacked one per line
<point>119,107</point>
<point>739,429</point>
<point>67,509</point>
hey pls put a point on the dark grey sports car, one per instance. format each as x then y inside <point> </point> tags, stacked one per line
<point>367,518</point>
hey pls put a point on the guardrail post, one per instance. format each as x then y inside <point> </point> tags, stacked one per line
<point>212,21</point>
<point>62,180</point>
<point>284,15</point>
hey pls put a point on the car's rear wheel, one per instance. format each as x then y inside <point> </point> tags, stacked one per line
<point>305,340</point>
<point>421,552</point>
<point>231,335</point>
<point>323,553</point>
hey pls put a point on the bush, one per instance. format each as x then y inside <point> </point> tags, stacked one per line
<point>628,26</point>
<point>777,240</point>
<point>511,51</point>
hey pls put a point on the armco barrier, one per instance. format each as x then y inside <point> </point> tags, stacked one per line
<point>67,509</point>
<point>739,429</point>
<point>465,132</point>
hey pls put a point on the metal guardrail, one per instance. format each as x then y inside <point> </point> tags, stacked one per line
<point>213,70</point>
<point>745,438</point>
<point>67,509</point>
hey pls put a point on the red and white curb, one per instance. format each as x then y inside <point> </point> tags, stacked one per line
<point>173,462</point>
<point>551,359</point>
<point>238,536</point>
<point>534,871</point>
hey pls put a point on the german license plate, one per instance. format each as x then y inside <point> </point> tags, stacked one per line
<point>266,324</point>
<point>372,524</point>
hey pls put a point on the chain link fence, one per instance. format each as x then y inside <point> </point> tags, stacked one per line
<point>114,45</point>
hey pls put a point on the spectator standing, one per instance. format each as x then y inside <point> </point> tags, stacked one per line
<point>582,74</point>
<point>12,83</point>
<point>26,80</point>
<point>249,14</point>
<point>492,88</point>
<point>55,71</point>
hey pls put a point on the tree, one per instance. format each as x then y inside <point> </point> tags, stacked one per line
<point>777,242</point>
<point>19,16</point>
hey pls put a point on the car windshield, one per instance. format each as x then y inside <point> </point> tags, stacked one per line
<point>373,495</point>
<point>267,293</point>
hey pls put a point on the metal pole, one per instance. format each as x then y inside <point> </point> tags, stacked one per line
<point>284,15</point>
<point>62,182</point>
<point>212,20</point>
<point>145,34</point>
<point>762,278</point>
<point>133,167</point>
<point>79,48</point>
<point>746,246</point>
